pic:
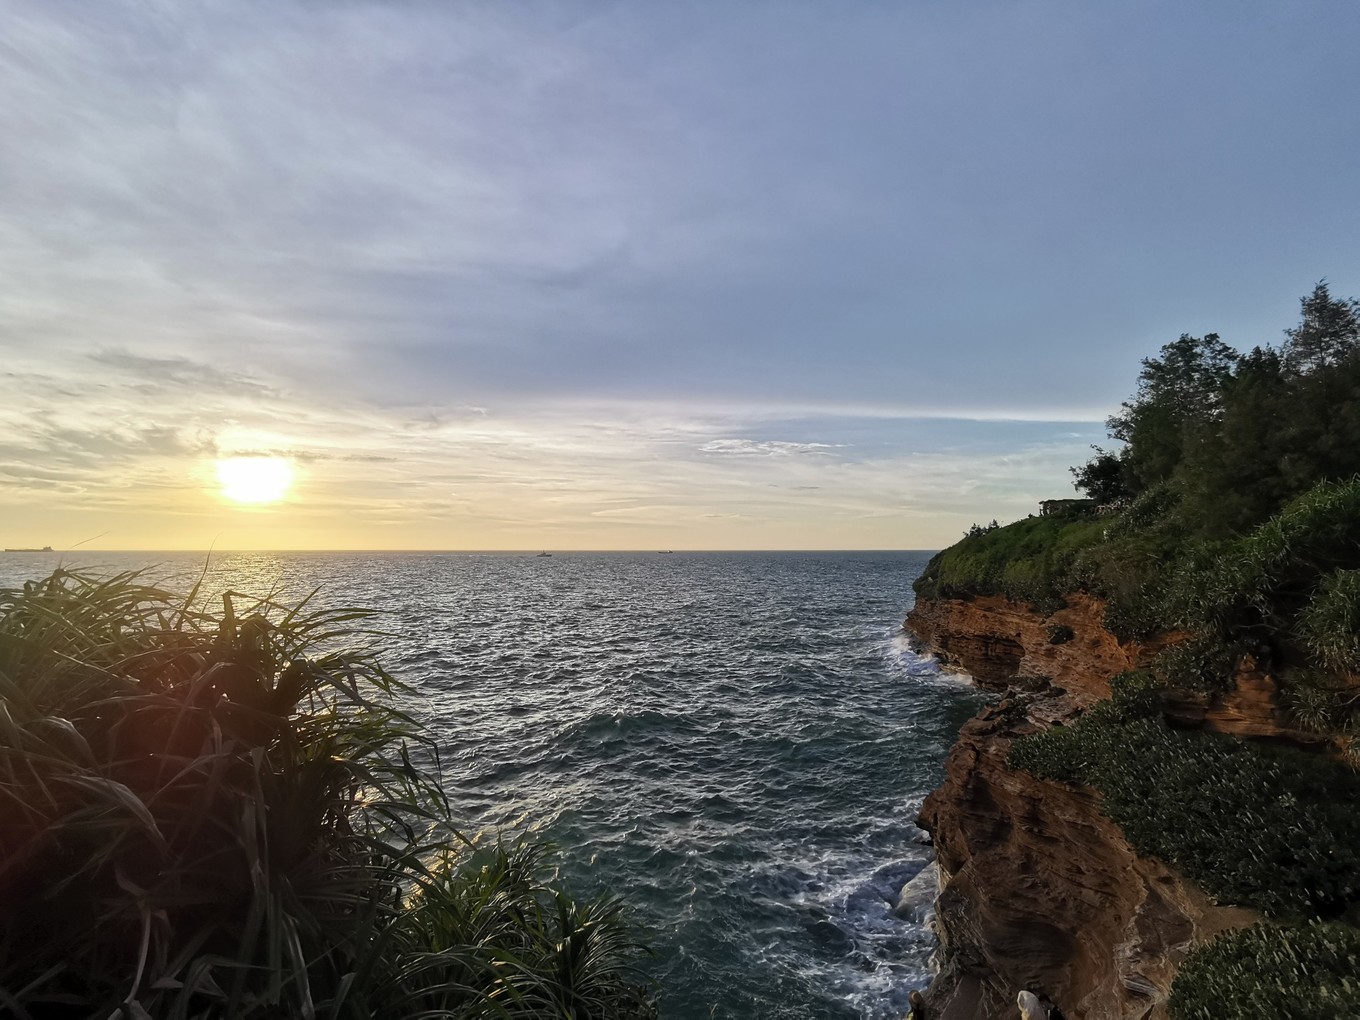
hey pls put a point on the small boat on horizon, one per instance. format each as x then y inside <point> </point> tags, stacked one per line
<point>46,548</point>
<point>542,554</point>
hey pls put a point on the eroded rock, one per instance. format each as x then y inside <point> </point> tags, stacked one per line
<point>1038,889</point>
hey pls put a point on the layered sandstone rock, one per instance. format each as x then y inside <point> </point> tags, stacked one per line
<point>995,640</point>
<point>1001,643</point>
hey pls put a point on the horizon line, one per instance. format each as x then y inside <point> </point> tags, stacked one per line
<point>530,550</point>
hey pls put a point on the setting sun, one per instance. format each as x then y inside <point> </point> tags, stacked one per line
<point>254,479</point>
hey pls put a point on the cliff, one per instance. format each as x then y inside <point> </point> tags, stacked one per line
<point>995,640</point>
<point>1038,889</point>
<point>1002,644</point>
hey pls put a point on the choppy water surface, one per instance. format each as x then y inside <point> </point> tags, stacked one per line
<point>736,742</point>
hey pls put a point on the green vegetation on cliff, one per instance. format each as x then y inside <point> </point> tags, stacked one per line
<point>223,814</point>
<point>1229,514</point>
<point>1029,561</point>
<point>1271,828</point>
<point>1271,970</point>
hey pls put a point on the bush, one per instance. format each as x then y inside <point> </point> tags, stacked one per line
<point>1150,508</point>
<point>1329,625</point>
<point>1311,972</point>
<point>1129,570</point>
<point>1060,633</point>
<point>1321,702</point>
<point>223,815</point>
<point>1200,663</point>
<point>1134,695</point>
<point>1271,828</point>
<point>1264,579</point>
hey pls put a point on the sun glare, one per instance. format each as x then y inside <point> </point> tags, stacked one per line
<point>254,479</point>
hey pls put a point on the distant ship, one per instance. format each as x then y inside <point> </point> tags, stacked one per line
<point>46,548</point>
<point>545,554</point>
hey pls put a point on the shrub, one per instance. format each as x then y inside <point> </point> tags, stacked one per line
<point>1129,570</point>
<point>1134,616</point>
<point>1264,579</point>
<point>1294,577</point>
<point>1329,625</point>
<point>1149,508</point>
<point>1060,633</point>
<point>1203,662</point>
<point>1321,702</point>
<point>1271,828</point>
<point>1060,753</point>
<point>224,815</point>
<point>1311,972</point>
<point>1133,695</point>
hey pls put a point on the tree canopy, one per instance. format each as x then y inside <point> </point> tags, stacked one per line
<point>1234,436</point>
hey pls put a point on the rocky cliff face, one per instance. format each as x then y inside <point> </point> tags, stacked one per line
<point>996,640</point>
<point>1039,890</point>
<point>1001,644</point>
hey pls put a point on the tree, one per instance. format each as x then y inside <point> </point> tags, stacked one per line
<point>1103,477</point>
<point>1328,334</point>
<point>1180,388</point>
<point>1229,478</point>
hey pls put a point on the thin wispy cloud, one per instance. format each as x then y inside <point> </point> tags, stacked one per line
<point>768,448</point>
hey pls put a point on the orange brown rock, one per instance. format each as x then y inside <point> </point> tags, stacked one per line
<point>995,640</point>
<point>1039,890</point>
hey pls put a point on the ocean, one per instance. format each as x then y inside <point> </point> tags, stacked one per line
<point>736,742</point>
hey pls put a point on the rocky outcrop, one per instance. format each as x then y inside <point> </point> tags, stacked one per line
<point>1001,644</point>
<point>1038,889</point>
<point>995,640</point>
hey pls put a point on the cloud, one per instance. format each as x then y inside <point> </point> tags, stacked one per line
<point>582,262</point>
<point>767,448</point>
<point>393,203</point>
<point>157,373</point>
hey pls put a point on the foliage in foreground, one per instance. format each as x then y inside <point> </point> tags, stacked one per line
<point>1274,829</point>
<point>218,814</point>
<point>1272,971</point>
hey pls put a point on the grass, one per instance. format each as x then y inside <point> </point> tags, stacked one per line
<point>1028,560</point>
<point>220,813</point>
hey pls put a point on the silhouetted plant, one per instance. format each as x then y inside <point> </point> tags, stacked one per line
<point>223,814</point>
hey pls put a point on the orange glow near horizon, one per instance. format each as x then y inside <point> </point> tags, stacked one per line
<point>254,480</point>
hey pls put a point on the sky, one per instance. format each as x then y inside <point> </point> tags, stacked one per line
<point>622,275</point>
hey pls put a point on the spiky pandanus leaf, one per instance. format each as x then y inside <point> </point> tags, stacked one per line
<point>224,814</point>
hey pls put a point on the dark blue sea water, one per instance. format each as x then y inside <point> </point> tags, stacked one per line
<point>737,742</point>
